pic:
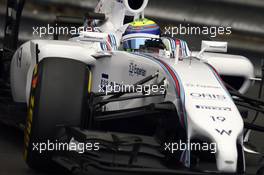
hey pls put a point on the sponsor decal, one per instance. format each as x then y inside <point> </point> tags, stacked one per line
<point>135,70</point>
<point>208,96</point>
<point>202,86</point>
<point>106,84</point>
<point>104,81</point>
<point>29,119</point>
<point>205,107</point>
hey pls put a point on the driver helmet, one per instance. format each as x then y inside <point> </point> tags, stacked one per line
<point>138,32</point>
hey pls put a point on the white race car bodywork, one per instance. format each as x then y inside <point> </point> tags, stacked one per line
<point>231,65</point>
<point>204,106</point>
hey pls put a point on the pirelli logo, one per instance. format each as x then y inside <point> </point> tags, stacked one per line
<point>29,120</point>
<point>204,107</point>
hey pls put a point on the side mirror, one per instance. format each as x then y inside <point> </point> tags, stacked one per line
<point>214,46</point>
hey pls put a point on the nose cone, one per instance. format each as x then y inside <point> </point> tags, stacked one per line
<point>226,156</point>
<point>211,112</point>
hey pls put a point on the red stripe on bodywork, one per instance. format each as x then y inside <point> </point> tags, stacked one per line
<point>182,117</point>
<point>173,76</point>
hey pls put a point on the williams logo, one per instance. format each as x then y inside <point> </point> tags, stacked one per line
<point>213,108</point>
<point>208,96</point>
<point>135,70</point>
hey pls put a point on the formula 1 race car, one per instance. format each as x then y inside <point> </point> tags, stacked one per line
<point>124,99</point>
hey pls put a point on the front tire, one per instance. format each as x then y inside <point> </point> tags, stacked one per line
<point>58,98</point>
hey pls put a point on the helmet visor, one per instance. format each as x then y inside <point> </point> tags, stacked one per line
<point>134,44</point>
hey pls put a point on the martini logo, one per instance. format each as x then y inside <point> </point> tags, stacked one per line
<point>213,108</point>
<point>208,96</point>
<point>135,70</point>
